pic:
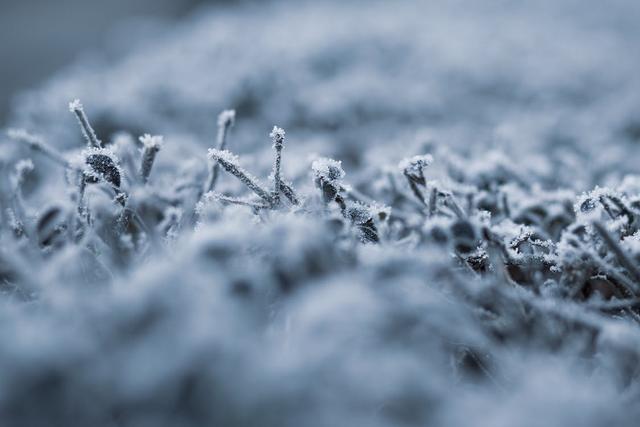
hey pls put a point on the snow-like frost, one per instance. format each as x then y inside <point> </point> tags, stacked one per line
<point>152,141</point>
<point>502,286</point>
<point>227,118</point>
<point>277,134</point>
<point>75,105</point>
<point>225,155</point>
<point>328,169</point>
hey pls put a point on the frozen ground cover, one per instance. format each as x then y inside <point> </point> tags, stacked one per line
<point>441,229</point>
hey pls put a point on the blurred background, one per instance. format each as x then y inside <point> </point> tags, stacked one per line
<point>41,36</point>
<point>537,75</point>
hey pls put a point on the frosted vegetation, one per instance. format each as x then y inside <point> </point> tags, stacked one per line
<point>442,227</point>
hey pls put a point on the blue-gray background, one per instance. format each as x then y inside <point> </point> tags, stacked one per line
<point>40,36</point>
<point>284,321</point>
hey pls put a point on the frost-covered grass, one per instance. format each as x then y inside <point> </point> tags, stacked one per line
<point>437,235</point>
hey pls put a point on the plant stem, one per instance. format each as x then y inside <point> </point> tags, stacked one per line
<point>621,255</point>
<point>89,134</point>
<point>36,143</point>
<point>243,176</point>
<point>152,145</point>
<point>277,135</point>
<point>226,120</point>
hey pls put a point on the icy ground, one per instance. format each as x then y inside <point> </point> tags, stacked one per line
<point>454,238</point>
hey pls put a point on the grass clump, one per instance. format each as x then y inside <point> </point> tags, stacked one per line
<point>478,262</point>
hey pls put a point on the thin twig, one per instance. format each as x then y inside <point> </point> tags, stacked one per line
<point>226,120</point>
<point>621,255</point>
<point>36,143</point>
<point>89,134</point>
<point>152,145</point>
<point>277,136</point>
<point>228,163</point>
<point>242,202</point>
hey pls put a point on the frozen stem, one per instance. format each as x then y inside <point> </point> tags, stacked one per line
<point>152,144</point>
<point>92,140</point>
<point>621,255</point>
<point>288,192</point>
<point>416,191</point>
<point>124,218</point>
<point>277,136</point>
<point>226,120</point>
<point>36,143</point>
<point>328,175</point>
<point>341,203</point>
<point>229,163</point>
<point>413,169</point>
<point>82,186</point>
<point>433,201</point>
<point>235,201</point>
<point>451,202</point>
<point>16,226</point>
<point>23,167</point>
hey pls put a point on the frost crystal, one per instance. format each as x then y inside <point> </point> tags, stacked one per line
<point>358,213</point>
<point>277,136</point>
<point>379,211</point>
<point>414,166</point>
<point>328,169</point>
<point>227,118</point>
<point>152,142</point>
<point>75,105</point>
<point>328,175</point>
<point>224,155</point>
